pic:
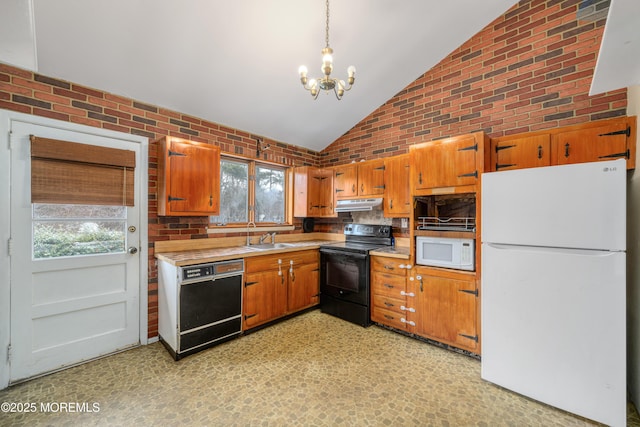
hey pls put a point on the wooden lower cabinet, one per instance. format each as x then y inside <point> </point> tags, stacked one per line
<point>388,291</point>
<point>280,284</point>
<point>446,307</point>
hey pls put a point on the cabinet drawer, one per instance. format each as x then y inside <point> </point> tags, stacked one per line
<point>389,265</point>
<point>388,317</point>
<point>388,303</point>
<point>270,262</point>
<point>388,284</point>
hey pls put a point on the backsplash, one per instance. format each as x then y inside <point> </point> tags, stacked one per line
<point>375,216</point>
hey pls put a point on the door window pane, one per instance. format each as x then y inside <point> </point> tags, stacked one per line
<point>234,192</point>
<point>70,230</point>
<point>269,194</point>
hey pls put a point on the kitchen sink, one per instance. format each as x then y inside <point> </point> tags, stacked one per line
<point>266,246</point>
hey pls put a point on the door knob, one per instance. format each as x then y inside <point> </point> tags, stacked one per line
<point>133,250</point>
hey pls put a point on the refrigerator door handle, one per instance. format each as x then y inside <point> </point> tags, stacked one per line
<point>574,251</point>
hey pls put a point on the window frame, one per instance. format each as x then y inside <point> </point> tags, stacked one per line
<point>253,164</point>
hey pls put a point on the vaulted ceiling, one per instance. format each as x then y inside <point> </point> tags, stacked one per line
<point>236,62</point>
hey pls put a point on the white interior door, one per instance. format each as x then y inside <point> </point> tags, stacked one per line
<point>68,307</point>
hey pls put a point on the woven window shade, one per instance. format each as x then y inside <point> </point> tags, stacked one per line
<point>74,173</point>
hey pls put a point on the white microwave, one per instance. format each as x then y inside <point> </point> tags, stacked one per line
<point>446,252</point>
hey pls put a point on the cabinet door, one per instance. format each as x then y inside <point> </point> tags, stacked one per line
<point>593,144</point>
<point>303,286</point>
<point>371,178</point>
<point>191,181</point>
<point>265,297</point>
<point>345,181</point>
<point>445,163</point>
<point>520,153</point>
<point>447,310</point>
<point>324,191</point>
<point>397,202</point>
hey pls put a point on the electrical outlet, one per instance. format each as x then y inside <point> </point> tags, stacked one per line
<point>404,222</point>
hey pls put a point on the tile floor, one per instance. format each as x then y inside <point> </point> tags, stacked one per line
<point>312,370</point>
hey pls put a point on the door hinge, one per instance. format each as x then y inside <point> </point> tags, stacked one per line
<point>9,353</point>
<point>626,132</point>
<point>175,153</point>
<point>503,147</point>
<point>10,246</point>
<point>614,155</point>
<point>469,291</point>
<point>471,337</point>
<point>174,199</point>
<point>465,175</point>
<point>469,148</point>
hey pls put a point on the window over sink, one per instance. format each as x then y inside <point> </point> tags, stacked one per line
<point>251,191</point>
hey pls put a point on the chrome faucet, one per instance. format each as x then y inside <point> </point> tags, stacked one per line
<point>254,229</point>
<point>273,238</point>
<point>264,237</point>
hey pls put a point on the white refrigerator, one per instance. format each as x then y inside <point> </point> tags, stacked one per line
<point>554,286</point>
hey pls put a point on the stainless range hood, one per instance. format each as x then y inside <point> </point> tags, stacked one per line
<point>358,205</point>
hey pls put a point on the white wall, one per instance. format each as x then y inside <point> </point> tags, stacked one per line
<point>633,262</point>
<point>17,34</point>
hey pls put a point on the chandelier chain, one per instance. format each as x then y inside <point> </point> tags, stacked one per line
<point>327,26</point>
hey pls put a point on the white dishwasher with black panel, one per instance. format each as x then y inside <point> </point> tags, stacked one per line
<point>199,305</point>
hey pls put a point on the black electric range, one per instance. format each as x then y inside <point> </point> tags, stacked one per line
<point>344,272</point>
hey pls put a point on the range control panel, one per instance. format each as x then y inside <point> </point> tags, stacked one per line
<point>367,230</point>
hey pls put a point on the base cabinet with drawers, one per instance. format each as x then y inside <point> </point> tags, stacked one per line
<point>278,285</point>
<point>389,303</point>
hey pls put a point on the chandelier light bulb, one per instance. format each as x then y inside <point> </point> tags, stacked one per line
<point>303,71</point>
<point>351,71</point>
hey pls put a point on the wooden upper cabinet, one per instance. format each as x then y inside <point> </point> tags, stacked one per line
<point>359,179</point>
<point>345,181</point>
<point>188,178</point>
<point>313,192</point>
<point>522,152</point>
<point>371,178</point>
<point>397,200</point>
<point>596,141</point>
<point>588,142</point>
<point>450,162</point>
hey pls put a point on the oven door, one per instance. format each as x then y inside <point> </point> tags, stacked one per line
<point>345,275</point>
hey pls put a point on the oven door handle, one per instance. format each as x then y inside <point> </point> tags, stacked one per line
<point>343,253</point>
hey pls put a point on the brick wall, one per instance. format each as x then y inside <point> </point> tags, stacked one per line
<point>528,70</point>
<point>33,93</point>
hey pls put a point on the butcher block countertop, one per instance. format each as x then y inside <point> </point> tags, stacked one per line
<point>189,252</point>
<point>402,252</point>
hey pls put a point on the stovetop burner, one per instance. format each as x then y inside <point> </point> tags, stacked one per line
<point>353,247</point>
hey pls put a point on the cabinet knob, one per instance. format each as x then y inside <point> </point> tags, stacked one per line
<point>407,294</point>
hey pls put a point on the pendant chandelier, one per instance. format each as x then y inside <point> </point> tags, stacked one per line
<point>327,83</point>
